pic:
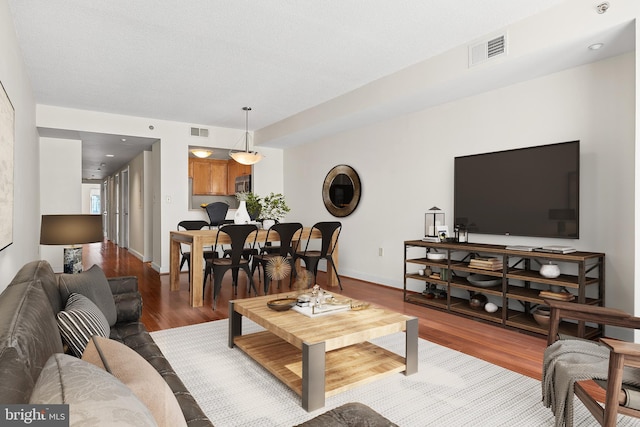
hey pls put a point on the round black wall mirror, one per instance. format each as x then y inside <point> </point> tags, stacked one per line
<point>341,190</point>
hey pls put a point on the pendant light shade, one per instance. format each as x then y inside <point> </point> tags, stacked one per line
<point>246,157</point>
<point>203,154</point>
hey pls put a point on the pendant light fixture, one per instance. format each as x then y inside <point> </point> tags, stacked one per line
<point>246,157</point>
<point>201,152</point>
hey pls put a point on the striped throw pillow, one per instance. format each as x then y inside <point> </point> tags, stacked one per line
<point>79,321</point>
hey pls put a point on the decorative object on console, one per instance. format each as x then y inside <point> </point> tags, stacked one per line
<point>71,230</point>
<point>486,263</point>
<point>560,296</point>
<point>482,281</point>
<point>436,256</point>
<point>477,301</point>
<point>550,270</point>
<point>542,315</point>
<point>433,219</point>
<point>443,233</point>
<point>461,235</point>
<point>246,157</point>
<point>490,307</point>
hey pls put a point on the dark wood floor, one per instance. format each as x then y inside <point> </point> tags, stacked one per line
<point>165,309</point>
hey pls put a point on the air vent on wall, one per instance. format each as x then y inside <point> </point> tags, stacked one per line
<point>200,132</point>
<point>488,49</point>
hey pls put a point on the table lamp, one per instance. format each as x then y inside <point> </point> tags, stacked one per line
<point>71,230</point>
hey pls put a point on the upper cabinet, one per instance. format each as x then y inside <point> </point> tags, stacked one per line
<point>235,170</point>
<point>213,177</point>
<point>209,177</point>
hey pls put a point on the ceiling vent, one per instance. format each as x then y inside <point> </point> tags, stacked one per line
<point>200,132</point>
<point>488,49</point>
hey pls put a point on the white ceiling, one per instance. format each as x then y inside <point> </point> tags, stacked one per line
<point>201,61</point>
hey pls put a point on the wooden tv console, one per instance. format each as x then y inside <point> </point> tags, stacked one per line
<point>520,282</point>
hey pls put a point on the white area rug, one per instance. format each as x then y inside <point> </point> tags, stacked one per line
<point>450,388</point>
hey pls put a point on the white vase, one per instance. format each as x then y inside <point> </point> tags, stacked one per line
<point>267,223</point>
<point>550,271</point>
<point>242,216</point>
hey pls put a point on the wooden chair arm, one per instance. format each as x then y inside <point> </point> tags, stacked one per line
<point>588,313</point>
<point>622,347</point>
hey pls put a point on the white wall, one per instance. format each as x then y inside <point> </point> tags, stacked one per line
<point>136,207</point>
<point>26,211</point>
<point>60,186</point>
<point>406,166</point>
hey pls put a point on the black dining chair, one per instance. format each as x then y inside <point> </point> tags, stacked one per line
<point>217,212</point>
<point>239,234</point>
<point>186,255</point>
<point>330,231</point>
<point>286,231</point>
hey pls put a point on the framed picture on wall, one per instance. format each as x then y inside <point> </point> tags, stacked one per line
<point>7,136</point>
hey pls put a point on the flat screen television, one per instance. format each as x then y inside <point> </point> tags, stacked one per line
<point>531,191</point>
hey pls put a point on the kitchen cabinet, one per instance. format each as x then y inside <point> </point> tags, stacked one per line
<point>210,176</point>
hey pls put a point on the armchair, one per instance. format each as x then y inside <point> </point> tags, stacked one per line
<point>622,395</point>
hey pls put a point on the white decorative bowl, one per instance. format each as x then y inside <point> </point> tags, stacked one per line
<point>550,271</point>
<point>436,256</point>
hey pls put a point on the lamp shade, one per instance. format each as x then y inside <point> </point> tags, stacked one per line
<point>203,154</point>
<point>246,157</point>
<point>70,229</point>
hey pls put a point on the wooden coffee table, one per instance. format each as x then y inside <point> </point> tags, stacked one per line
<point>322,356</point>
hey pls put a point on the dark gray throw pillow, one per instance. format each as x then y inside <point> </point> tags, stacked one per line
<point>92,284</point>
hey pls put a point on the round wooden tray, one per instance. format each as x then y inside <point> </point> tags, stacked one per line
<point>282,304</point>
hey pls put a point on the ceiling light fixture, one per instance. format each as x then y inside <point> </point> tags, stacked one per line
<point>199,152</point>
<point>596,46</point>
<point>246,157</point>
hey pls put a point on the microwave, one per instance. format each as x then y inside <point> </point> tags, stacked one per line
<point>243,184</point>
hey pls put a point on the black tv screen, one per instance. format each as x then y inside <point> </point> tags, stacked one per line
<point>531,191</point>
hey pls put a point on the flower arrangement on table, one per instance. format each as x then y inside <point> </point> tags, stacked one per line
<point>274,207</point>
<point>253,202</point>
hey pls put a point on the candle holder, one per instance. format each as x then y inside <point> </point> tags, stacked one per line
<point>433,219</point>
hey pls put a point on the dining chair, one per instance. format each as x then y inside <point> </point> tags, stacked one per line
<point>330,231</point>
<point>619,376</point>
<point>186,255</point>
<point>286,231</point>
<point>239,234</point>
<point>217,212</point>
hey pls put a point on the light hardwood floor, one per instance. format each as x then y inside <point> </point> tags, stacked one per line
<point>164,309</point>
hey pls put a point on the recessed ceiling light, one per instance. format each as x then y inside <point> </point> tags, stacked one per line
<point>123,139</point>
<point>596,46</point>
<point>109,155</point>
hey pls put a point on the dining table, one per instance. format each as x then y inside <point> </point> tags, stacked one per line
<point>198,239</point>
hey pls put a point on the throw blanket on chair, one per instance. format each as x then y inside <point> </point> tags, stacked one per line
<point>565,362</point>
